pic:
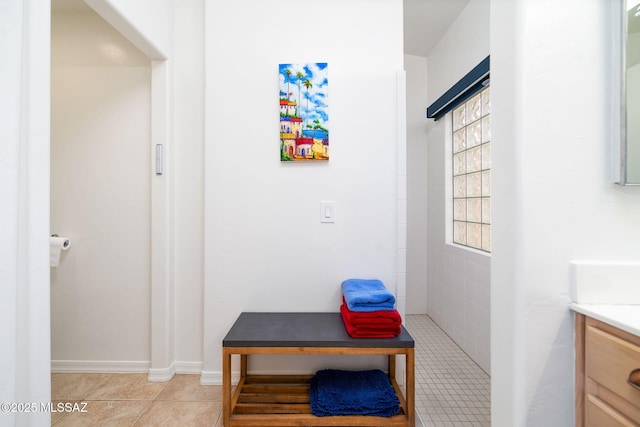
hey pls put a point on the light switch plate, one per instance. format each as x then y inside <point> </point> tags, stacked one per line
<point>328,212</point>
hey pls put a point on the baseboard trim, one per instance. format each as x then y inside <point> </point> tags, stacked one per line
<point>110,366</point>
<point>162,375</point>
<point>211,378</point>
<point>188,367</point>
<point>155,375</point>
<point>215,377</point>
<point>99,366</point>
<point>165,374</point>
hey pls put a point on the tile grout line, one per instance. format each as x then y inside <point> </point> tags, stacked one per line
<point>148,408</point>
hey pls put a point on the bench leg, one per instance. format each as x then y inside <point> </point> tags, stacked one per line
<point>226,387</point>
<point>410,387</point>
<point>243,366</point>
<point>391,366</point>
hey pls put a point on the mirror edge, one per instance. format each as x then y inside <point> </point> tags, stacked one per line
<point>622,61</point>
<point>617,79</point>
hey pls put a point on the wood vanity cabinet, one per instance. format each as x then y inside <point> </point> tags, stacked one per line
<point>606,362</point>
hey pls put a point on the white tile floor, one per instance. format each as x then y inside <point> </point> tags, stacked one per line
<point>451,389</point>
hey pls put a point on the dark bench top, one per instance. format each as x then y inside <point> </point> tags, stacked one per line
<point>302,330</point>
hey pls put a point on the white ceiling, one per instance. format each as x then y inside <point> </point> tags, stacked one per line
<point>425,21</point>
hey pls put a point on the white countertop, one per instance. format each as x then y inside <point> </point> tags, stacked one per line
<point>622,316</point>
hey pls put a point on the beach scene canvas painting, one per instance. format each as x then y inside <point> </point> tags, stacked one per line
<point>304,122</point>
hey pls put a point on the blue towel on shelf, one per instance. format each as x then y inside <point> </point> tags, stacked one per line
<point>336,392</point>
<point>367,295</point>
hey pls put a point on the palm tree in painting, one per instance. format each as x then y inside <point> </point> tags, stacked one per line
<point>308,85</point>
<point>316,127</point>
<point>288,73</point>
<point>299,75</point>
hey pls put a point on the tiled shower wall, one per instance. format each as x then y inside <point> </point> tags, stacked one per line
<point>416,203</point>
<point>458,280</point>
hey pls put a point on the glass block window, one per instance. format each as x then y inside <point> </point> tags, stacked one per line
<point>472,172</point>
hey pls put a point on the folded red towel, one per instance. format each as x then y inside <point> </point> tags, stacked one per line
<point>388,318</point>
<point>360,332</point>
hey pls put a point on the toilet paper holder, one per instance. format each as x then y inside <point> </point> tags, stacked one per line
<point>66,243</point>
<point>57,245</point>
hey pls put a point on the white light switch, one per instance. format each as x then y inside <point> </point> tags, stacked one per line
<point>327,211</point>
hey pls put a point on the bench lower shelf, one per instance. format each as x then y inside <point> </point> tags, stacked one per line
<point>283,400</point>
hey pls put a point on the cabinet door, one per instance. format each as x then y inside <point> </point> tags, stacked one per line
<point>605,359</point>
<point>599,414</point>
<point>610,360</point>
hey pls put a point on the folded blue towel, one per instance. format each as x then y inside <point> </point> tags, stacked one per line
<point>336,392</point>
<point>367,295</point>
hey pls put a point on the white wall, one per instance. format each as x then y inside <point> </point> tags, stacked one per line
<point>553,198</point>
<point>188,175</point>
<point>24,218</point>
<point>416,68</point>
<point>265,248</point>
<point>100,196</point>
<point>461,48</point>
<point>458,279</point>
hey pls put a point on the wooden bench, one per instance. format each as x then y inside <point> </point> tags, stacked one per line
<point>283,400</point>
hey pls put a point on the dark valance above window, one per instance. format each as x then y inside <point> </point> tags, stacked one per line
<point>465,88</point>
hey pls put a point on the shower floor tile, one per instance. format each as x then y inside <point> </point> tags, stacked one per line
<point>451,389</point>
